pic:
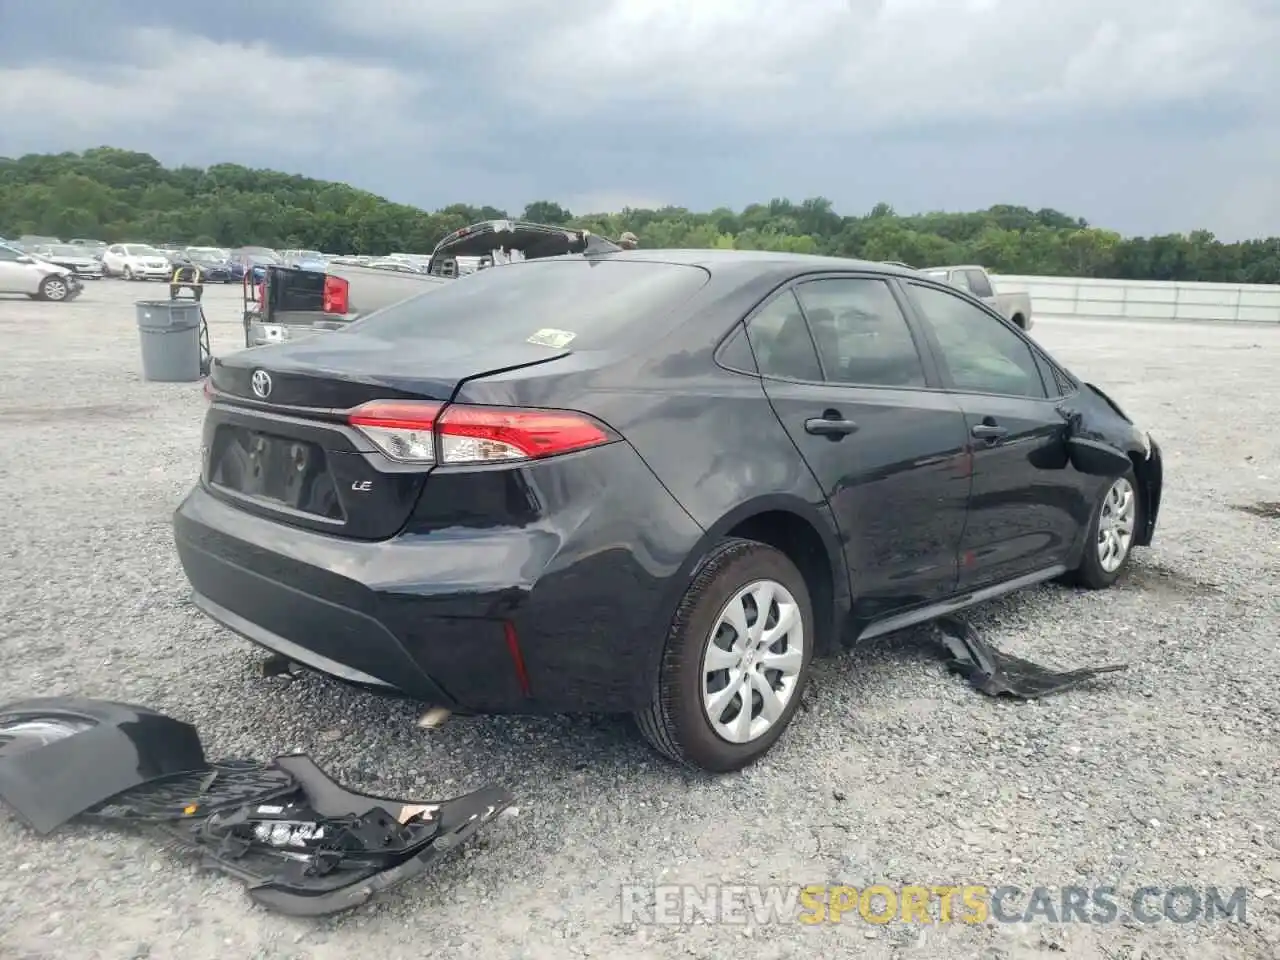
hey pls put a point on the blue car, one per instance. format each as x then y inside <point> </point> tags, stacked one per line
<point>305,260</point>
<point>253,261</point>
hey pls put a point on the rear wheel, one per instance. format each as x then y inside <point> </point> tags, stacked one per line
<point>1111,534</point>
<point>54,288</point>
<point>736,659</point>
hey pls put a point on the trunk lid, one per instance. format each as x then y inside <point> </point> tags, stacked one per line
<point>343,370</point>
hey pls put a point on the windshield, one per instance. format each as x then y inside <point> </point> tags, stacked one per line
<point>206,253</point>
<point>309,255</point>
<point>262,258</point>
<point>596,305</point>
<point>141,250</point>
<point>64,250</point>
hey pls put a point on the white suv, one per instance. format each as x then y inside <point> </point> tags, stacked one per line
<point>39,279</point>
<point>136,261</point>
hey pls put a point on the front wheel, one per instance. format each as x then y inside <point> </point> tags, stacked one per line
<point>127,273</point>
<point>54,288</point>
<point>1111,533</point>
<point>736,660</point>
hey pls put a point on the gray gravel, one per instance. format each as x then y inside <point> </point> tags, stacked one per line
<point>1164,775</point>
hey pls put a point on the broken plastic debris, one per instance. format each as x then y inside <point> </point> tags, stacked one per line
<point>995,673</point>
<point>301,842</point>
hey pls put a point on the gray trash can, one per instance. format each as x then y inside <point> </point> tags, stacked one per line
<point>170,333</point>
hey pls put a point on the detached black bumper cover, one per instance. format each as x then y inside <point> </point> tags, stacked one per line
<point>302,844</point>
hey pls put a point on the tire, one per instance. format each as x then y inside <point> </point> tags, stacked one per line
<point>127,273</point>
<point>676,722</point>
<point>55,289</point>
<point>1094,573</point>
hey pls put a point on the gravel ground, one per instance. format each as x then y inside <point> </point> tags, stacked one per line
<point>1164,775</point>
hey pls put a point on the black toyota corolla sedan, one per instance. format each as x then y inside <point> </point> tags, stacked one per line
<point>656,482</point>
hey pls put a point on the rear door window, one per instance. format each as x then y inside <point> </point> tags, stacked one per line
<point>577,303</point>
<point>781,342</point>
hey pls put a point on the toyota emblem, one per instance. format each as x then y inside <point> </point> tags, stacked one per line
<point>261,384</point>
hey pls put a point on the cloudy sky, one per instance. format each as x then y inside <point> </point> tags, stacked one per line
<point>1141,115</point>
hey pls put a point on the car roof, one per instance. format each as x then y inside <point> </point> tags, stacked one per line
<point>758,261</point>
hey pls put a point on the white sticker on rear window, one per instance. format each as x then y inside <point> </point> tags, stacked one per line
<point>552,338</point>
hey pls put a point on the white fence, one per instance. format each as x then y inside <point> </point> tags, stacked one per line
<point>1145,300</point>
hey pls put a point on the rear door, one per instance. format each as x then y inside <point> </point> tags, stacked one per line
<point>1024,509</point>
<point>855,391</point>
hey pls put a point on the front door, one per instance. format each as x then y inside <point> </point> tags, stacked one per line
<point>1023,509</point>
<point>844,374</point>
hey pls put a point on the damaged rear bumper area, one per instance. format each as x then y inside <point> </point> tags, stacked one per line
<point>300,842</point>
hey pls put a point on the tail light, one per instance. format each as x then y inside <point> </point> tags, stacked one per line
<point>406,431</point>
<point>336,294</point>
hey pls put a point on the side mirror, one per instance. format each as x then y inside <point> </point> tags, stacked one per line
<point>1096,459</point>
<point>1090,456</point>
<point>26,259</point>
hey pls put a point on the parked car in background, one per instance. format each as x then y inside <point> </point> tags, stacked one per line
<point>22,272</point>
<point>76,258</point>
<point>304,259</point>
<point>214,263</point>
<point>94,248</point>
<point>656,482</point>
<point>136,261</point>
<point>1015,307</point>
<point>396,266</point>
<point>254,261</point>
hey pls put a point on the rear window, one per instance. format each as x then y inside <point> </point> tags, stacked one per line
<point>579,303</point>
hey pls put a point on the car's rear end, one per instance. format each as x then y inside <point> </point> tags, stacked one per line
<point>357,516</point>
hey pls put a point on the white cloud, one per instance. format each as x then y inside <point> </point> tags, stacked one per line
<point>243,96</point>
<point>859,64</point>
<point>600,104</point>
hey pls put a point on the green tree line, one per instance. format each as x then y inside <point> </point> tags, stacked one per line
<point>112,194</point>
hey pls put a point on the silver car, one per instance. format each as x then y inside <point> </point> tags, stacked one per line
<point>20,272</point>
<point>75,258</point>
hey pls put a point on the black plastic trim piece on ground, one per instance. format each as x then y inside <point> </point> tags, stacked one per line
<point>995,673</point>
<point>301,842</point>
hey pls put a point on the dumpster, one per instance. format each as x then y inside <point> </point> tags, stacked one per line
<point>170,333</point>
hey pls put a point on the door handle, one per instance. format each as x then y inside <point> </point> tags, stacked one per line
<point>824,427</point>
<point>989,431</point>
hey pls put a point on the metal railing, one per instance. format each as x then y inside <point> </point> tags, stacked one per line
<point>1145,300</point>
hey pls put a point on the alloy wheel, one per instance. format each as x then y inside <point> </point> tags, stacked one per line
<point>55,290</point>
<point>1115,525</point>
<point>752,661</point>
